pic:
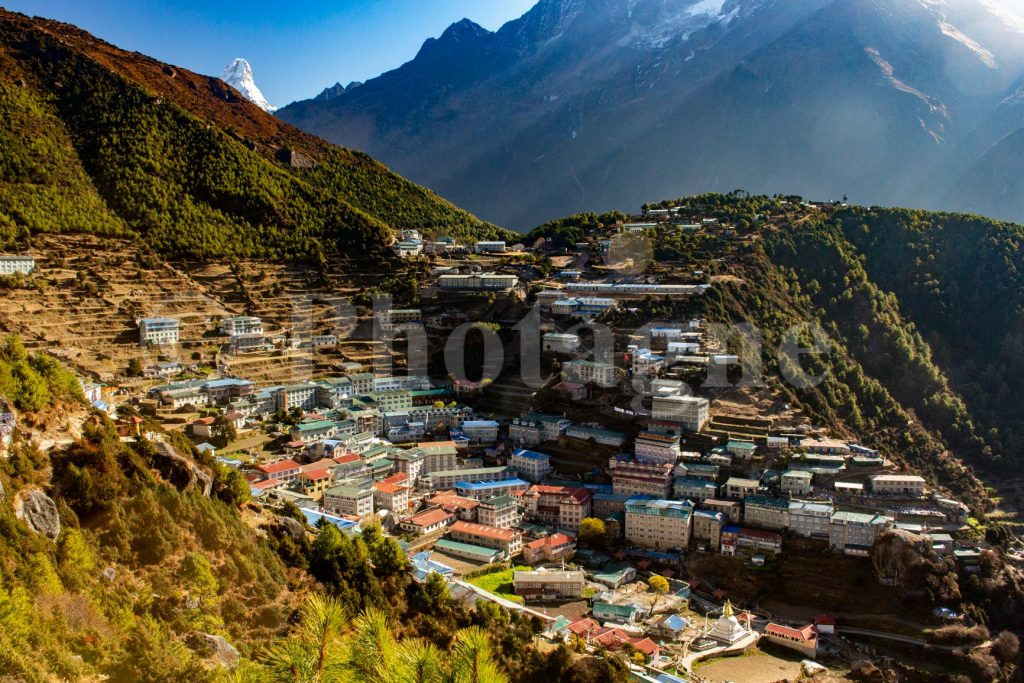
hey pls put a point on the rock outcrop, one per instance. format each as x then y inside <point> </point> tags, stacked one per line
<point>180,471</point>
<point>39,512</point>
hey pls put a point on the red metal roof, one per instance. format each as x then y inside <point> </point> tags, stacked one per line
<point>806,633</point>
<point>279,466</point>
<point>484,530</point>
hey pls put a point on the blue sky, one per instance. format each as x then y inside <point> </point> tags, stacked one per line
<point>296,47</point>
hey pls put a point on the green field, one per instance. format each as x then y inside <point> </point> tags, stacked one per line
<point>500,582</point>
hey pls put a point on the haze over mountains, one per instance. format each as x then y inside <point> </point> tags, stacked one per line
<point>599,104</point>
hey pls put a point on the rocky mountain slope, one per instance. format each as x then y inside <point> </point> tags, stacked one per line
<point>100,140</point>
<point>601,104</point>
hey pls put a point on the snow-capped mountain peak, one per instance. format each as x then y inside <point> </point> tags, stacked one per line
<point>238,74</point>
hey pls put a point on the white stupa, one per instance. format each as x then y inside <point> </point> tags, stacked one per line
<point>728,628</point>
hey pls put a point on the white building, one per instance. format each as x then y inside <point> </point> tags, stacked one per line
<point>241,324</point>
<point>658,524</point>
<point>158,331</point>
<point>11,263</point>
<point>561,343</point>
<point>645,362</point>
<point>530,465</point>
<point>901,485</point>
<point>490,247</point>
<point>809,518</point>
<point>659,448</point>
<point>796,482</point>
<point>350,500</point>
<point>585,371</point>
<point>690,412</point>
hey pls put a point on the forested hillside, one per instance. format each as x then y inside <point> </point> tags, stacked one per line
<point>104,141</point>
<point>925,312</point>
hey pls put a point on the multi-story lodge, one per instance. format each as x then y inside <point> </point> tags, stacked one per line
<point>534,428</point>
<point>657,448</point>
<point>353,500</point>
<point>158,331</point>
<point>766,513</point>
<point>586,372</point>
<point>810,518</point>
<point>640,478</point>
<point>658,524</point>
<point>12,263</point>
<point>563,507</point>
<point>530,465</point>
<point>241,324</point>
<point>854,533</point>
<point>690,412</point>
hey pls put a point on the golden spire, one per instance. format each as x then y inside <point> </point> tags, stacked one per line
<point>727,610</point>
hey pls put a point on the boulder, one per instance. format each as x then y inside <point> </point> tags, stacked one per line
<point>215,648</point>
<point>292,527</point>
<point>39,512</point>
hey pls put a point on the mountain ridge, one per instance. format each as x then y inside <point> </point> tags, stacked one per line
<point>561,110</point>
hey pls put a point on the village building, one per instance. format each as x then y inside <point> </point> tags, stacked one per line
<point>12,263</point>
<point>241,324</point>
<point>603,375</point>
<point>500,511</point>
<point>810,518</point>
<point>490,247</point>
<point>352,500</point>
<point>534,428</point>
<point>658,524</point>
<point>796,482</point>
<point>314,482</point>
<point>462,508</point>
<point>508,541</point>
<point>765,512</point>
<point>482,490</point>
<point>530,465</point>
<point>693,489</point>
<point>803,640</point>
<point>707,526</point>
<point>639,478</point>
<point>548,585</point>
<point>898,485</point>
<point>732,510</point>
<point>689,412</point>
<point>561,343</point>
<point>427,522</point>
<point>737,539</point>
<point>657,448</point>
<point>478,282</point>
<point>388,496</point>
<point>853,533</point>
<point>440,455</point>
<point>158,331</point>
<point>738,488</point>
<point>283,470</point>
<point>553,548</point>
<point>605,437</point>
<point>446,479</point>
<point>480,431</point>
<point>562,507</point>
